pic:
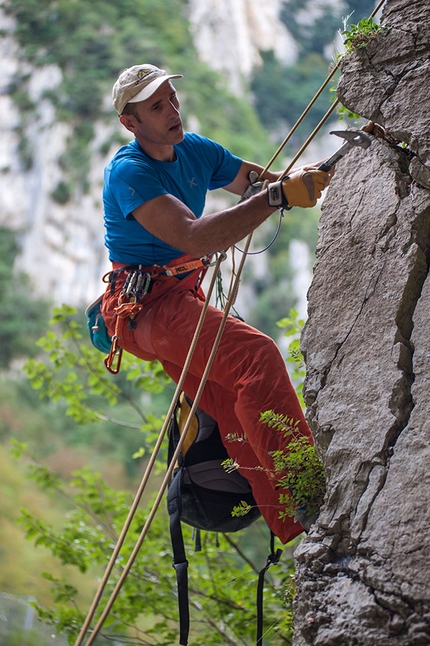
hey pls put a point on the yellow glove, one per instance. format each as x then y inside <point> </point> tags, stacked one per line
<point>302,188</point>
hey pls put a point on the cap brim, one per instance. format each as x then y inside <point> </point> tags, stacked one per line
<point>149,90</point>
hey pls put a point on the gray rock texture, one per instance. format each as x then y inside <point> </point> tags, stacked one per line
<point>363,572</point>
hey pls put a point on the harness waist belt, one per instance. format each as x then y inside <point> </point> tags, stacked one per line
<point>170,269</point>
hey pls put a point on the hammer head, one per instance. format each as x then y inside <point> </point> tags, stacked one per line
<point>354,137</point>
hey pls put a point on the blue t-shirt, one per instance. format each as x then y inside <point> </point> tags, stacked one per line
<point>132,178</point>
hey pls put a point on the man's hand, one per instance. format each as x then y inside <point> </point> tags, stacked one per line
<point>301,188</point>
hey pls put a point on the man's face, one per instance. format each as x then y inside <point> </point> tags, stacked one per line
<point>159,121</point>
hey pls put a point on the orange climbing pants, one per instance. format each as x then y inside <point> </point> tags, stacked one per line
<point>248,376</point>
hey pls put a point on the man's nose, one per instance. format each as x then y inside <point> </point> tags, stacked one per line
<point>175,107</point>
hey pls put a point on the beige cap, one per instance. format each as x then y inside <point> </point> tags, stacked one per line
<point>138,83</point>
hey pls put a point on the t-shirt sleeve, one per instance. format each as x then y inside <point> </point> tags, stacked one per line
<point>225,165</point>
<point>134,185</point>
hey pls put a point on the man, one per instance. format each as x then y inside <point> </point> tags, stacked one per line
<point>154,195</point>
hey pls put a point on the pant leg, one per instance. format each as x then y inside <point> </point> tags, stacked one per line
<point>219,404</point>
<point>247,364</point>
<point>248,377</point>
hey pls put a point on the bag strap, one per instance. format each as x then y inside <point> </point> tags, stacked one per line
<point>180,562</point>
<point>272,559</point>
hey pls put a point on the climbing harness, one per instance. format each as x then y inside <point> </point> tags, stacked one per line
<point>229,303</point>
<point>137,285</point>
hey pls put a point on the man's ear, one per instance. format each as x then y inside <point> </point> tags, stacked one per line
<point>129,122</point>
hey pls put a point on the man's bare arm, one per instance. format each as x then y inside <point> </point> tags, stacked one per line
<point>169,219</point>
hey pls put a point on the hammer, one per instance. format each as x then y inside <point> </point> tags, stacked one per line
<point>353,138</point>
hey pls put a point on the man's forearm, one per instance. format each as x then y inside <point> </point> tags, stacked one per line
<point>219,231</point>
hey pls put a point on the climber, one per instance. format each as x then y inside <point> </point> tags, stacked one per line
<point>154,195</point>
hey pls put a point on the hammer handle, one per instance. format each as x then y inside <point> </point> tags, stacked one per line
<point>325,167</point>
<point>331,161</point>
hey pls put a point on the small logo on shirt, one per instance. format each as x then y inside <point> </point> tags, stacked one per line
<point>192,182</point>
<point>132,191</point>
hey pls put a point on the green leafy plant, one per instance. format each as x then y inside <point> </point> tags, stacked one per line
<point>304,479</point>
<point>297,468</point>
<point>76,374</point>
<point>302,476</point>
<point>355,36</point>
<point>358,36</point>
<point>342,111</point>
<point>23,314</point>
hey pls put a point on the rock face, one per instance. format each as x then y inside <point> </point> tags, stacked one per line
<point>62,244</point>
<point>363,570</point>
<point>240,28</point>
<point>230,34</point>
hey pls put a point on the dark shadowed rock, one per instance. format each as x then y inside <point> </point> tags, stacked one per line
<point>363,572</point>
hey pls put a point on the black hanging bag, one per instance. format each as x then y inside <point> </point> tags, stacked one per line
<point>202,494</point>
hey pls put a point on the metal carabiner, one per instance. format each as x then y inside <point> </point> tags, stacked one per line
<point>115,354</point>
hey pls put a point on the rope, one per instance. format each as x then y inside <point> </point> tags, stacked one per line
<point>175,456</point>
<point>305,112</point>
<point>310,138</point>
<point>151,462</point>
<point>230,302</point>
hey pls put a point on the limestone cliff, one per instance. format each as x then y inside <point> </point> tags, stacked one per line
<point>363,570</point>
<point>239,28</point>
<point>231,34</point>
<point>62,244</point>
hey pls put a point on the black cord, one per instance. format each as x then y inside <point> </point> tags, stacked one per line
<point>255,253</point>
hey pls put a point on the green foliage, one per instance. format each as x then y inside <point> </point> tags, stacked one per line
<point>61,193</point>
<point>303,479</point>
<point>358,36</point>
<point>23,315</point>
<point>21,562</point>
<point>297,468</point>
<point>222,594</point>
<point>314,34</point>
<point>75,375</point>
<point>342,111</point>
<point>293,326</point>
<point>283,92</point>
